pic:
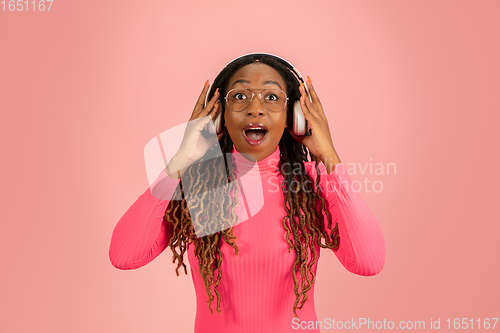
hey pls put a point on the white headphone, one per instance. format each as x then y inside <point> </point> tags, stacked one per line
<point>300,126</point>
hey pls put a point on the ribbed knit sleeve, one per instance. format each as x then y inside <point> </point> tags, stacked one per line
<point>141,234</point>
<point>362,246</point>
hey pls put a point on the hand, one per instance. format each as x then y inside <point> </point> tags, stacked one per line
<point>319,142</point>
<point>194,144</point>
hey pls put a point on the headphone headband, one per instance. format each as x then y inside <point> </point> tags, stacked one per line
<point>260,55</point>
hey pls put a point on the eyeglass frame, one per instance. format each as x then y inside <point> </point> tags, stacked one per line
<point>260,99</point>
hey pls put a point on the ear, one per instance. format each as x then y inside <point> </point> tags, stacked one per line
<point>223,131</point>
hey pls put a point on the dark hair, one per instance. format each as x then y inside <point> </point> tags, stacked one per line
<point>303,224</point>
<point>291,81</point>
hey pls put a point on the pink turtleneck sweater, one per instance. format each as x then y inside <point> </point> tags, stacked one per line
<point>256,287</point>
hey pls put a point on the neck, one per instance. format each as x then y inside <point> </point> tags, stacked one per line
<point>247,164</point>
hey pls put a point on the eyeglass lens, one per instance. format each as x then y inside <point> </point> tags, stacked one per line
<point>272,99</point>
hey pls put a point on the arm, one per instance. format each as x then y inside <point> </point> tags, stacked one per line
<point>362,246</point>
<point>141,234</point>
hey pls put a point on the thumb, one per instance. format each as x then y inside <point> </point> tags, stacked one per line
<point>202,122</point>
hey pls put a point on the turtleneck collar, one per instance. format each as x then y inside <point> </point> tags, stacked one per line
<point>265,167</point>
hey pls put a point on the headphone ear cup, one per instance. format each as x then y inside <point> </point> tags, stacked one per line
<point>217,123</point>
<point>299,121</point>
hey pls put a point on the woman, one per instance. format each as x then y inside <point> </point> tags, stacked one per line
<point>260,273</point>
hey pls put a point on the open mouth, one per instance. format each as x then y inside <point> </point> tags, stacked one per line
<point>255,133</point>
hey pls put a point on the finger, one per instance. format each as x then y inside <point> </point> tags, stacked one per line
<point>200,102</point>
<point>211,104</point>
<point>310,105</point>
<point>201,99</point>
<point>314,96</point>
<point>215,98</point>
<point>213,112</point>
<point>306,102</point>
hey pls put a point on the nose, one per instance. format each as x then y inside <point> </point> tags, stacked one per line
<point>255,108</point>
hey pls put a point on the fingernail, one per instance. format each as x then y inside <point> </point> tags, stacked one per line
<point>216,91</point>
<point>302,85</point>
<point>205,84</point>
<point>309,80</point>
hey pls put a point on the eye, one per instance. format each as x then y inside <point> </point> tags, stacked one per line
<point>272,97</point>
<point>239,96</point>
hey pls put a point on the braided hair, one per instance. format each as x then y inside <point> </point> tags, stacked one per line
<point>303,224</point>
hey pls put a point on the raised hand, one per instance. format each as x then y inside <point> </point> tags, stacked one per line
<point>319,142</point>
<point>194,145</point>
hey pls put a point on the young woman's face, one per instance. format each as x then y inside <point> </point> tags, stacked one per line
<point>256,76</point>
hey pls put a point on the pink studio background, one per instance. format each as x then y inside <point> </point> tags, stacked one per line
<point>85,86</point>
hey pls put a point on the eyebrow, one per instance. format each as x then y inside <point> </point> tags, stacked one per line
<point>248,82</point>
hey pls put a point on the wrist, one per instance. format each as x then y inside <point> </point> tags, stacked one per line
<point>330,159</point>
<point>176,167</point>
<point>172,173</point>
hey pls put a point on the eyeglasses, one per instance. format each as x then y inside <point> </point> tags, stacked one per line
<point>239,99</point>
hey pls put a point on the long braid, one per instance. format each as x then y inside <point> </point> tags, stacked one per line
<point>303,224</point>
<point>204,203</point>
